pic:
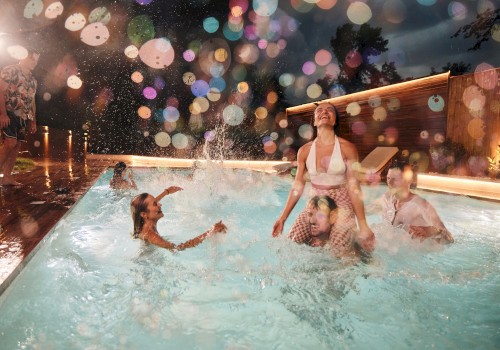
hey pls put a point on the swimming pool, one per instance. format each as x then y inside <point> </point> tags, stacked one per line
<point>91,286</point>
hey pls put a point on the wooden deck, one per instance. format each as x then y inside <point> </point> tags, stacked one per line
<point>29,212</point>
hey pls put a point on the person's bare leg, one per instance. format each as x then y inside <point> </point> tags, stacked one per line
<point>8,155</point>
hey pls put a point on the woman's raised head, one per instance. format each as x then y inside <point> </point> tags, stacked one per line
<point>327,106</point>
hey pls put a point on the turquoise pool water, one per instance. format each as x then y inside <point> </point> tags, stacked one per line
<point>90,286</point>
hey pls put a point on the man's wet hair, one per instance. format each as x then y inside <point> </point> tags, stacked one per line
<point>322,200</point>
<point>398,164</point>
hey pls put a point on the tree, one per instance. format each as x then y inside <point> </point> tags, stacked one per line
<point>356,51</point>
<point>480,28</point>
<point>455,68</point>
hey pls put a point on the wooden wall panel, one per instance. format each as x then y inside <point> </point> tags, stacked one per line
<point>474,111</point>
<point>410,124</point>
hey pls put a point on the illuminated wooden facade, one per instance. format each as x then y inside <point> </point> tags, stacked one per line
<point>418,114</point>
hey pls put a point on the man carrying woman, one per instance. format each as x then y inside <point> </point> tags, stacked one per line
<point>329,162</point>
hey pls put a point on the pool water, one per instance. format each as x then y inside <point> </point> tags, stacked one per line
<point>91,286</point>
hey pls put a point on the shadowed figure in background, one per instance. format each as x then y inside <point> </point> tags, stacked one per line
<point>328,160</point>
<point>146,211</point>
<point>119,180</point>
<point>407,210</point>
<point>17,111</point>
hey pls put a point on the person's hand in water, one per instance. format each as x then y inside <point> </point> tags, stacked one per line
<point>219,227</point>
<point>366,239</point>
<point>277,228</point>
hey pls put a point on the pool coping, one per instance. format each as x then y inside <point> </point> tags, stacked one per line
<point>4,285</point>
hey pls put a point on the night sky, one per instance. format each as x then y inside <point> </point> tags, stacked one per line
<point>159,77</point>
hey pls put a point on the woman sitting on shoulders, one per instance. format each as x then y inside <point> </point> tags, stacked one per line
<point>146,211</point>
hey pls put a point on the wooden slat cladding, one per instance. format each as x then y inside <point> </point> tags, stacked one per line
<point>409,122</point>
<point>474,111</point>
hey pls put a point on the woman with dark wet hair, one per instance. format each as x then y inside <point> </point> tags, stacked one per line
<point>119,180</point>
<point>329,161</point>
<point>146,211</point>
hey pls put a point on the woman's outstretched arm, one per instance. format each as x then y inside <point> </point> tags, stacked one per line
<point>218,227</point>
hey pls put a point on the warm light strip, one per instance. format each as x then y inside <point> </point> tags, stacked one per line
<point>133,160</point>
<point>489,189</point>
<point>358,96</point>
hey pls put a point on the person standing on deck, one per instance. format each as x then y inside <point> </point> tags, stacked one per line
<point>17,111</point>
<point>328,160</point>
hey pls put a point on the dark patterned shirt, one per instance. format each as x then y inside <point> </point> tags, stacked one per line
<point>20,93</point>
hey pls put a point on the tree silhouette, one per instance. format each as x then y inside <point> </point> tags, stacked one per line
<point>356,51</point>
<point>456,68</point>
<point>481,28</point>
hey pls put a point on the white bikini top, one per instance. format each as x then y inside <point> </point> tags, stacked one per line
<point>335,175</point>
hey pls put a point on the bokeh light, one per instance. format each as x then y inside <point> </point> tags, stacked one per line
<point>144,112</point>
<point>476,128</point>
<point>131,51</point>
<point>359,128</point>
<point>210,24</point>
<point>200,88</point>
<point>394,11</point>
<point>353,108</point>
<point>75,22</point>
<point>157,53</point>
<point>17,52</point>
<point>473,98</point>
<point>140,30</point>
<point>137,77</point>
<point>391,135</point>
<point>162,139</point>
<point>100,14</point>
<point>436,103</point>
<point>33,8</point>
<point>353,59</point>
<point>308,68</point>
<point>495,32</point>
<point>54,10</point>
<point>188,78</point>
<point>420,160</point>
<point>261,112</point>
<point>200,104</point>
<point>323,57</point>
<point>486,76</point>
<point>394,104</point>
<point>214,94</point>
<point>94,34</point>
<point>243,87</point>
<point>314,91</point>
<point>189,55</point>
<point>149,93</point>
<point>306,131</point>
<point>233,115</point>
<point>379,114</point>
<point>457,10</point>
<point>374,101</point>
<point>265,8</point>
<point>326,4</point>
<point>358,12</point>
<point>426,2</point>
<point>272,97</point>
<point>286,79</point>
<point>74,82</point>
<point>180,141</point>
<point>171,114</point>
